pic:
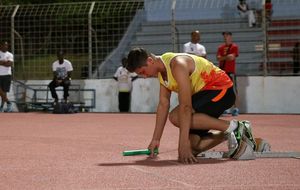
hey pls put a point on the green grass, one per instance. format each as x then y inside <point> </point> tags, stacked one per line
<point>40,67</point>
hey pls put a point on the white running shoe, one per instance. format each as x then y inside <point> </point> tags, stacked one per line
<point>248,133</point>
<point>232,144</point>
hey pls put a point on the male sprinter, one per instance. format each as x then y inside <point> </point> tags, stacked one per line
<point>204,93</point>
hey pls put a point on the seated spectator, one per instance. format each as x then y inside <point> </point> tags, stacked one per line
<point>245,11</point>
<point>193,47</point>
<point>62,70</point>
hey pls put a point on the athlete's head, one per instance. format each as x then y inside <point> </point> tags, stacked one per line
<point>142,63</point>
<point>137,57</point>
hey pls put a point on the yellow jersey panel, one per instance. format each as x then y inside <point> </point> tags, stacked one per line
<point>206,76</point>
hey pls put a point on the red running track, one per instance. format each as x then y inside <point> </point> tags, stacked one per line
<point>83,151</point>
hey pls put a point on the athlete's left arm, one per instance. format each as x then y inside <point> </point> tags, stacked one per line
<point>181,69</point>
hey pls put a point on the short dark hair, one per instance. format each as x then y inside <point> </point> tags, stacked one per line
<point>136,58</point>
<point>227,32</point>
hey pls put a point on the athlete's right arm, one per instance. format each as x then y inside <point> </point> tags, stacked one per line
<point>161,118</point>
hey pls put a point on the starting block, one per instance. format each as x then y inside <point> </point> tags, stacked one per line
<point>268,154</point>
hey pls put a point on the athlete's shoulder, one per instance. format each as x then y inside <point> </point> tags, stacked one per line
<point>168,55</point>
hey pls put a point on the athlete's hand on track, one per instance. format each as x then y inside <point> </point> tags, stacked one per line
<point>153,145</point>
<point>185,155</point>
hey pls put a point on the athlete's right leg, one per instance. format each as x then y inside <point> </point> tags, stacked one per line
<point>206,118</point>
<point>203,143</point>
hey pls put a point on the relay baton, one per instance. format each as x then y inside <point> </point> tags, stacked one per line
<point>139,152</point>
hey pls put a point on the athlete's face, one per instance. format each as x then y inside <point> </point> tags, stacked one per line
<point>148,70</point>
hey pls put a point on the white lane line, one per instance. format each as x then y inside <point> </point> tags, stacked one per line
<point>160,176</point>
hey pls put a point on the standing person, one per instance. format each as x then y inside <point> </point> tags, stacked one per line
<point>6,63</point>
<point>124,79</point>
<point>62,70</point>
<point>226,55</point>
<point>193,47</point>
<point>269,10</point>
<point>245,11</point>
<point>296,58</point>
<point>204,92</point>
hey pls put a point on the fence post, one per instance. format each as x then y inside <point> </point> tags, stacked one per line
<point>12,33</point>
<point>90,39</point>
<point>265,38</point>
<point>173,25</point>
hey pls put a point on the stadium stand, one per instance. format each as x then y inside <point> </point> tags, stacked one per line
<point>156,37</point>
<point>282,35</point>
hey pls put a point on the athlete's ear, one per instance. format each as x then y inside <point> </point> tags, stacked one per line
<point>150,60</point>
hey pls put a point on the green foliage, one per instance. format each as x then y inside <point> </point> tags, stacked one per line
<point>40,67</point>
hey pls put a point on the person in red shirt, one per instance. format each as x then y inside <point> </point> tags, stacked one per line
<point>226,56</point>
<point>269,10</point>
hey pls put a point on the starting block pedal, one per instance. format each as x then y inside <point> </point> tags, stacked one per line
<point>268,154</point>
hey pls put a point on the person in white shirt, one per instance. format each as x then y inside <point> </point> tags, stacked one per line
<point>193,47</point>
<point>245,11</point>
<point>62,70</point>
<point>6,63</point>
<point>124,79</point>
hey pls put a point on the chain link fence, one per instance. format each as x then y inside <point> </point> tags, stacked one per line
<point>96,35</point>
<point>266,46</point>
<point>87,32</point>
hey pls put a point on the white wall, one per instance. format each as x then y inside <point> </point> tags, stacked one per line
<point>269,94</point>
<point>256,94</point>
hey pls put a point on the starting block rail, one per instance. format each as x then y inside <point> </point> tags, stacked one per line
<point>268,154</point>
